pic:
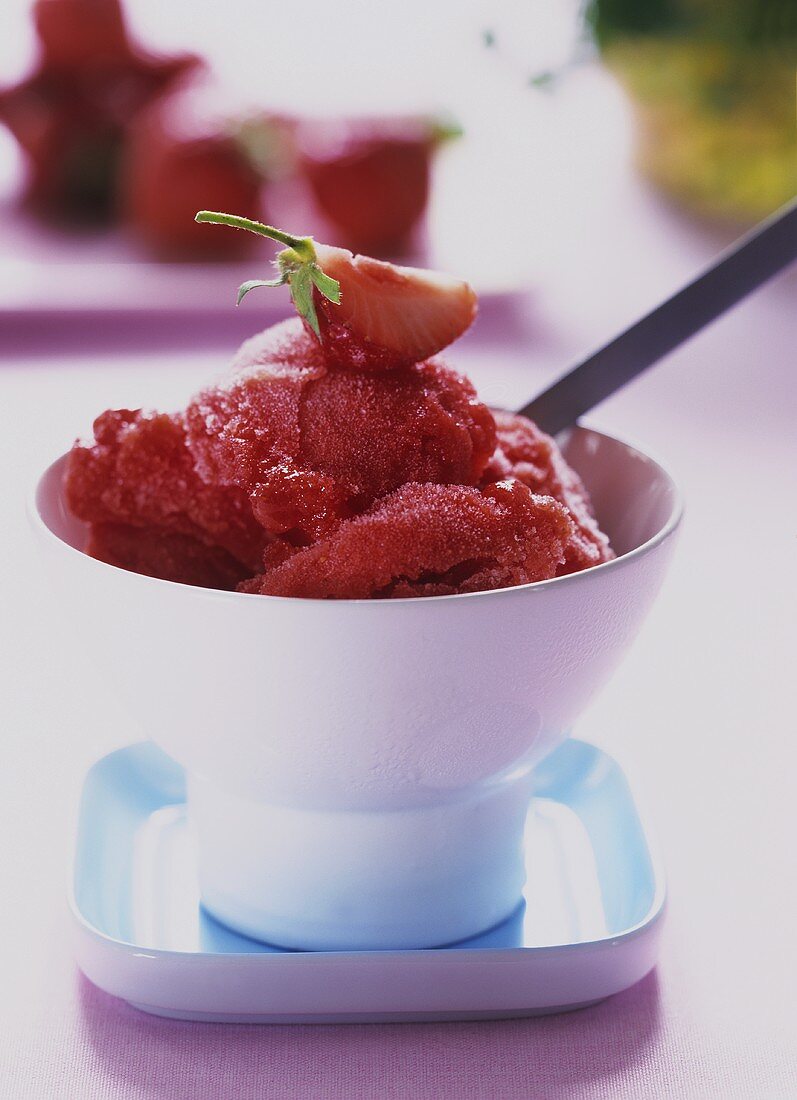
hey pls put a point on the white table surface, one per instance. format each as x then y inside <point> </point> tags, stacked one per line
<point>703,710</point>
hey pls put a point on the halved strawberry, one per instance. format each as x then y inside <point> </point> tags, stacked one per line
<point>370,178</point>
<point>388,315</point>
<point>366,313</point>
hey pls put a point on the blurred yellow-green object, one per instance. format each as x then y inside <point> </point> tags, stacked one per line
<point>718,124</point>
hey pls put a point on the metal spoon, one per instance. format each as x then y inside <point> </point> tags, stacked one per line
<point>745,266</point>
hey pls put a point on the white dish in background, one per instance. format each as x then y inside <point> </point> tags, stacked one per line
<point>104,298</point>
<point>47,268</point>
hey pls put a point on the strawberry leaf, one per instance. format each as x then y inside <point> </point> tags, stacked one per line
<point>297,265</point>
<point>302,294</point>
<point>330,288</point>
<point>251,284</point>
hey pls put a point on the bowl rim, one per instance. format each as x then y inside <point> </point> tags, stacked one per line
<point>664,532</point>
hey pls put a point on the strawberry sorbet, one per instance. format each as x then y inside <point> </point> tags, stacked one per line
<point>312,445</point>
<point>299,474</point>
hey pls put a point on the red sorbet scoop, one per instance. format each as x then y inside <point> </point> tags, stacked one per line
<point>139,473</point>
<point>430,540</point>
<point>168,555</point>
<point>312,444</point>
<point>531,456</point>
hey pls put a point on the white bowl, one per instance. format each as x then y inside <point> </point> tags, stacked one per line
<point>359,770</point>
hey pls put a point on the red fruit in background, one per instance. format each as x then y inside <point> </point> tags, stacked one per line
<point>70,115</point>
<point>180,153</point>
<point>370,178</point>
<point>80,32</point>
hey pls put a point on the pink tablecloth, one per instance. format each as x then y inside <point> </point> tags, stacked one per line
<point>554,1057</point>
<point>703,709</point>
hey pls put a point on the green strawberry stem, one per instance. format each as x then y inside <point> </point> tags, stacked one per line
<point>299,244</point>
<point>443,130</point>
<point>297,265</point>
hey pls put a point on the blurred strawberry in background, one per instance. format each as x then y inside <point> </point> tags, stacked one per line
<point>187,151</point>
<point>370,178</point>
<point>73,33</point>
<point>69,116</point>
<point>112,133</point>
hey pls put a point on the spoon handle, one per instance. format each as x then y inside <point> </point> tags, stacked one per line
<point>759,255</point>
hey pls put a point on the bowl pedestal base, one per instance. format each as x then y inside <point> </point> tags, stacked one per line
<point>341,880</point>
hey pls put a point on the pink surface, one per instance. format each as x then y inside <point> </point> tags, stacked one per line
<point>703,710</point>
<point>515,1058</point>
